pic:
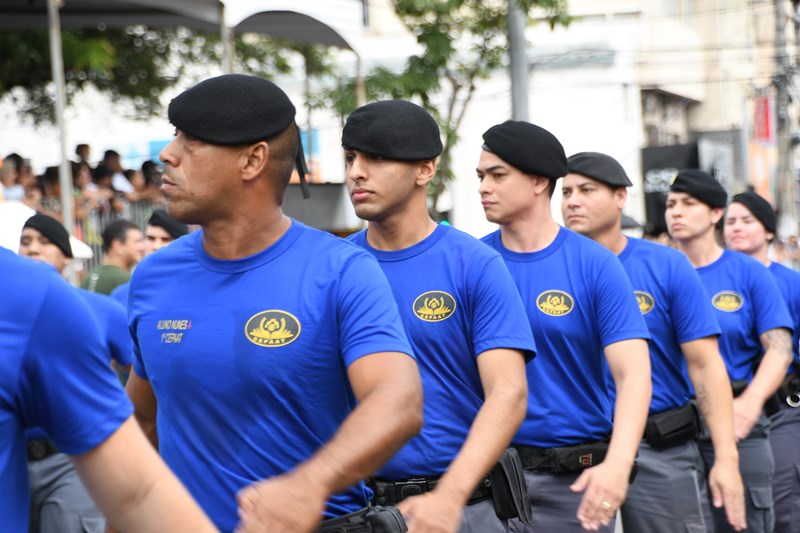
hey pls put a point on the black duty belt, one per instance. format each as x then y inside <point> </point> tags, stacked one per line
<point>563,460</point>
<point>41,449</point>
<point>393,492</point>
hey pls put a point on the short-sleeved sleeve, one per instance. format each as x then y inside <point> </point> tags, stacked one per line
<point>369,321</point>
<point>769,306</point>
<point>691,314</point>
<point>618,314</point>
<point>499,319</point>
<point>68,388</point>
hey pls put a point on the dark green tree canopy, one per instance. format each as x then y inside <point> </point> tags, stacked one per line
<point>133,65</point>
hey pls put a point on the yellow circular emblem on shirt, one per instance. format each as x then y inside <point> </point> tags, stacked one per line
<point>434,306</point>
<point>727,301</point>
<point>272,328</point>
<point>645,300</point>
<point>555,303</point>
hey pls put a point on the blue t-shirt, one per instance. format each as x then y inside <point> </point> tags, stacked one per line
<point>788,281</point>
<point>747,303</point>
<point>53,374</point>
<point>578,301</point>
<point>113,321</point>
<point>666,287</point>
<point>457,300</point>
<point>248,358</point>
<point>120,293</point>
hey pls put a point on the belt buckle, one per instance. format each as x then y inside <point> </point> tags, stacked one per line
<point>410,487</point>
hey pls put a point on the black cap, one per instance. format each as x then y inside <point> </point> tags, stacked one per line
<point>528,147</point>
<point>600,167</point>
<point>52,230</point>
<point>701,185</point>
<point>235,109</point>
<point>760,208</point>
<point>393,129</point>
<point>162,219</point>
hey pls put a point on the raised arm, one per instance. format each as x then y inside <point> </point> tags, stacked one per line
<point>389,412</point>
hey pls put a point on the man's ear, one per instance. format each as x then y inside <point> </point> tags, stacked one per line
<point>716,214</point>
<point>621,195</point>
<point>254,160</point>
<point>540,184</point>
<point>426,170</point>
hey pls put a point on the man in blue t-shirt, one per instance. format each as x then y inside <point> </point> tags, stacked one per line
<point>684,334</point>
<point>462,314</point>
<point>269,357</point>
<point>59,501</point>
<point>756,333</point>
<point>161,230</point>
<point>54,375</point>
<point>581,306</point>
<point>750,227</point>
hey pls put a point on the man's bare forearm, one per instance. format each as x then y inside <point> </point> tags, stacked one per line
<point>383,421</point>
<point>496,423</point>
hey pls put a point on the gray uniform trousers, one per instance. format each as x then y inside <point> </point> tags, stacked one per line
<point>666,495</point>
<point>555,506</point>
<point>481,518</point>
<point>785,440</point>
<point>59,502</point>
<point>756,467</point>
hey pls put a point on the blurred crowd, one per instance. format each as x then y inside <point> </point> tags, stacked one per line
<point>102,191</point>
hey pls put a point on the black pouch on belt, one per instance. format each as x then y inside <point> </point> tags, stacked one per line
<point>509,492</point>
<point>375,519</point>
<point>384,519</point>
<point>672,427</point>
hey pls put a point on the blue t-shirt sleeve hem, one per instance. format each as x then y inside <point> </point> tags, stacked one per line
<point>697,335</point>
<point>89,438</point>
<point>625,335</point>
<point>357,353</point>
<point>508,343</point>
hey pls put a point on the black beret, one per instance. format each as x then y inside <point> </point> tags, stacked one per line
<point>701,185</point>
<point>161,219</point>
<point>760,208</point>
<point>528,147</point>
<point>52,230</point>
<point>600,167</point>
<point>393,129</point>
<point>232,109</point>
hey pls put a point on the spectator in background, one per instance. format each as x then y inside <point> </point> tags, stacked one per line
<point>161,230</point>
<point>103,178</point>
<point>12,190</point>
<point>119,182</point>
<point>123,248</point>
<point>83,151</point>
<point>142,191</point>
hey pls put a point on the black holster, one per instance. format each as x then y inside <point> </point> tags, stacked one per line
<point>509,491</point>
<point>672,427</point>
<point>374,519</point>
<point>789,391</point>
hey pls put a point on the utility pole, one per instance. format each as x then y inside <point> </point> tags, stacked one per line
<point>518,60</point>
<point>786,179</point>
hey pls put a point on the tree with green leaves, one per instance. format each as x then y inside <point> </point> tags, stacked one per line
<point>463,42</point>
<point>131,65</point>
